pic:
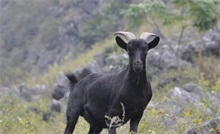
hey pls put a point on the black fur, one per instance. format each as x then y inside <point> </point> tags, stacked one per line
<point>73,80</point>
<point>71,77</point>
<point>99,95</point>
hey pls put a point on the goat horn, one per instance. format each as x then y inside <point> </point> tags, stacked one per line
<point>128,35</point>
<point>146,35</point>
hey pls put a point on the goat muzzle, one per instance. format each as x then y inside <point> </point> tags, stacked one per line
<point>138,66</point>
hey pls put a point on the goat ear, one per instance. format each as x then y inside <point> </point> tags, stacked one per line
<point>152,41</point>
<point>121,42</point>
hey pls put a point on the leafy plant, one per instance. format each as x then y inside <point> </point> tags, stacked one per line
<point>209,71</point>
<point>105,21</point>
<point>217,86</point>
<point>146,12</point>
<point>201,14</point>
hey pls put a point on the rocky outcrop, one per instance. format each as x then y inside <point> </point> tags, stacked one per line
<point>189,95</point>
<point>51,31</point>
<point>164,58</point>
<point>29,94</point>
<point>209,46</point>
<point>161,59</point>
<point>68,35</point>
<point>192,94</point>
<point>61,87</point>
<point>208,127</point>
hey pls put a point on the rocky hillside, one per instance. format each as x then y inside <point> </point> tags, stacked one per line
<point>74,36</point>
<point>187,98</point>
<point>37,34</point>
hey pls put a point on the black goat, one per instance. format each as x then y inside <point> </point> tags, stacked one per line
<point>111,100</point>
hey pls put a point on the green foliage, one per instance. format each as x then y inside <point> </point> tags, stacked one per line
<point>99,26</point>
<point>91,35</point>
<point>17,119</point>
<point>201,13</point>
<point>208,72</point>
<point>217,86</point>
<point>204,14</point>
<point>203,82</point>
<point>134,13</point>
<point>149,11</point>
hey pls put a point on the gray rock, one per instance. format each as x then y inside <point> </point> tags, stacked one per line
<point>30,94</point>
<point>46,116</point>
<point>214,99</point>
<point>94,67</point>
<point>195,96</point>
<point>212,43</point>
<point>190,51</point>
<point>61,87</point>
<point>169,80</point>
<point>24,93</point>
<point>59,92</point>
<point>115,63</point>
<point>211,46</point>
<point>190,94</point>
<point>169,121</point>
<point>5,91</point>
<point>209,127</point>
<point>56,106</point>
<point>192,88</point>
<point>100,59</point>
<point>62,79</point>
<point>38,90</point>
<point>164,58</point>
<point>184,96</point>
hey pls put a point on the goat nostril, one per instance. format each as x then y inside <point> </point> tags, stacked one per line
<point>138,63</point>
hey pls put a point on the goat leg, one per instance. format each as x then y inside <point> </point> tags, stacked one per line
<point>72,115</point>
<point>93,130</point>
<point>71,122</point>
<point>112,130</point>
<point>134,123</point>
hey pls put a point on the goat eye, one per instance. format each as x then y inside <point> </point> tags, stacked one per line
<point>146,52</point>
<point>128,50</point>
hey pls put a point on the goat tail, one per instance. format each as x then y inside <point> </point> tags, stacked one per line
<point>73,80</point>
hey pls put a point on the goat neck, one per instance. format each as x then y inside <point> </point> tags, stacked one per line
<point>135,78</point>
